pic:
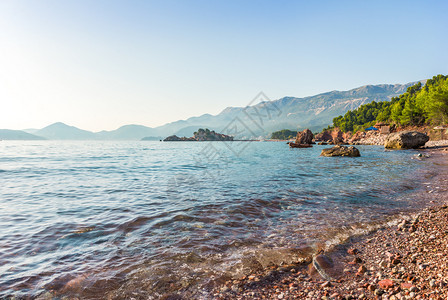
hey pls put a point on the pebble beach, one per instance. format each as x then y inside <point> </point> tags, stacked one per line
<point>406,258</point>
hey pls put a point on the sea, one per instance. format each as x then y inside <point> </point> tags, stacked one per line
<point>143,219</point>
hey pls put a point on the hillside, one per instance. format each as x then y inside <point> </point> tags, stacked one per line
<point>61,131</point>
<point>258,120</point>
<point>7,134</point>
<point>313,112</point>
<point>419,105</point>
<point>127,132</point>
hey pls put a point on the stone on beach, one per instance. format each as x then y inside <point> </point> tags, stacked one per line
<point>362,269</point>
<point>386,284</point>
<point>324,265</point>
<point>406,285</point>
<point>352,251</point>
<point>341,151</point>
<point>406,140</point>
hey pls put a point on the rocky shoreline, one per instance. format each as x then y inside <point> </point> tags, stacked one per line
<point>371,138</point>
<point>404,259</point>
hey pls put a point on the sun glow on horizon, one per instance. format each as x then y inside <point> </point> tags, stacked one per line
<point>99,65</point>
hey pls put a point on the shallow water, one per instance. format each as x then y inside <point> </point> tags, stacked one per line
<point>141,219</point>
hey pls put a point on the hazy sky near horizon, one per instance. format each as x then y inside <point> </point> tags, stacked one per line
<point>102,64</point>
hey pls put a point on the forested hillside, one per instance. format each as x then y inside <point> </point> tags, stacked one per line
<point>284,134</point>
<point>419,105</point>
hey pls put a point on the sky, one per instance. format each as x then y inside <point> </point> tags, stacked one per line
<point>98,65</point>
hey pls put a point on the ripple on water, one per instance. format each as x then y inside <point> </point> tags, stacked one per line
<point>82,218</point>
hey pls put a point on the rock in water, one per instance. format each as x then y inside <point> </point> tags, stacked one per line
<point>341,151</point>
<point>337,136</point>
<point>294,145</point>
<point>406,140</point>
<point>324,136</point>
<point>304,137</point>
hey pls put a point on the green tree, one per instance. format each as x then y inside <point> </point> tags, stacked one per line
<point>418,105</point>
<point>283,134</point>
<point>395,112</point>
<point>437,104</point>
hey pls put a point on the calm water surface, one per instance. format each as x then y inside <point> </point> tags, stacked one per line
<point>141,219</point>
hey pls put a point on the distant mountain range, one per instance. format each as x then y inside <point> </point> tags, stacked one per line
<point>61,131</point>
<point>7,134</point>
<point>254,121</point>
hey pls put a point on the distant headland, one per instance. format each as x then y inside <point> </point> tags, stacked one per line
<point>199,136</point>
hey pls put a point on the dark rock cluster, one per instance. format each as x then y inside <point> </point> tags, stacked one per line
<point>201,135</point>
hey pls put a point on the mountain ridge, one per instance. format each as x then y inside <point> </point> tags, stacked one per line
<point>314,112</point>
<point>9,134</point>
<point>62,131</point>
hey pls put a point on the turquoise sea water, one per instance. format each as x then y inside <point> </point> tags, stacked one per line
<point>141,219</point>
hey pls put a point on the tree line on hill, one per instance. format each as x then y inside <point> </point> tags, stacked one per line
<point>419,105</point>
<point>284,134</point>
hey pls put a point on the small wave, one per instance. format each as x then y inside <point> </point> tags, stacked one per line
<point>176,218</point>
<point>136,223</point>
<point>189,167</point>
<point>159,219</point>
<point>113,191</point>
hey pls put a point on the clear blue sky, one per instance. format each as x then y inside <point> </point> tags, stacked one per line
<point>102,64</point>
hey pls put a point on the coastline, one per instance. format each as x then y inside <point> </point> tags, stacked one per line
<point>80,284</point>
<point>403,259</point>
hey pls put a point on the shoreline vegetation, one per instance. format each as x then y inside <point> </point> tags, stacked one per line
<point>422,108</point>
<point>405,258</point>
